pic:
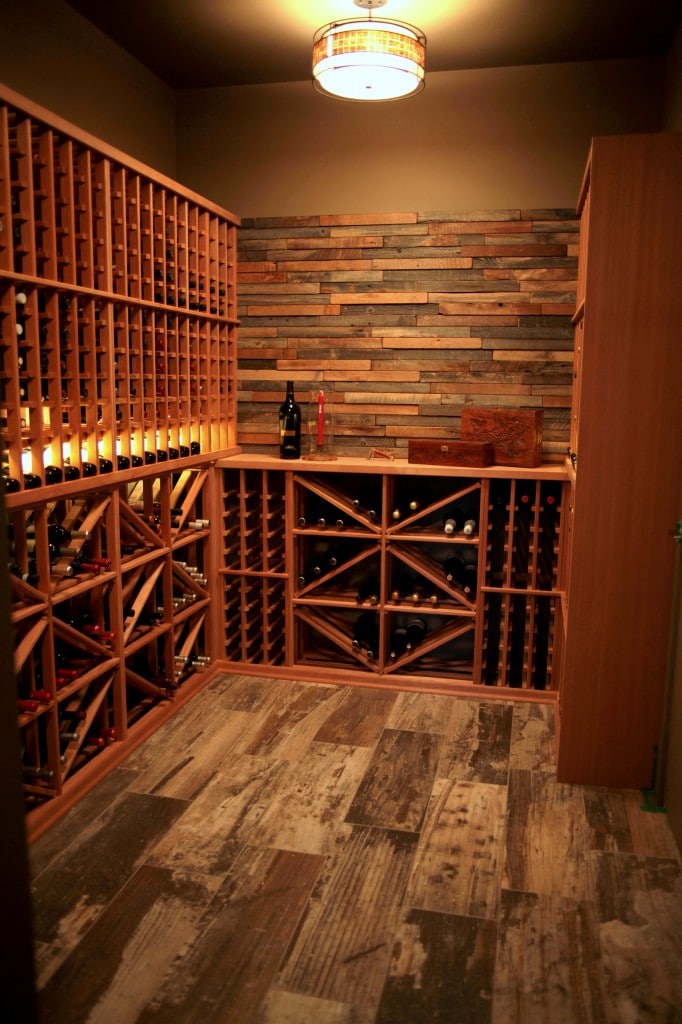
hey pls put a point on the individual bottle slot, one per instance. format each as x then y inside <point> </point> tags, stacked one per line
<point>411,497</point>
<point>498,524</point>
<point>522,553</point>
<point>517,642</point>
<point>548,538</point>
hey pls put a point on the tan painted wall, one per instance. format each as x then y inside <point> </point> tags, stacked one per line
<point>484,139</point>
<point>55,57</point>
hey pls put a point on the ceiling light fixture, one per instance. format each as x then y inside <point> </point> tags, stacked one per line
<point>365,59</point>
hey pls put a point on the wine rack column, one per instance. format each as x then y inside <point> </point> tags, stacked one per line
<point>338,571</point>
<point>254,575</point>
<point>67,630</point>
<point>433,569</point>
<point>520,597</point>
<point>124,343</point>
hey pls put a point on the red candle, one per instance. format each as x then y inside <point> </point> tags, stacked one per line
<point>320,419</point>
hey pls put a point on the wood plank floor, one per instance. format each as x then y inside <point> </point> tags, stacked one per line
<point>286,853</point>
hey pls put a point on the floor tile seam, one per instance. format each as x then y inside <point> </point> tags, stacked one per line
<point>474,782</point>
<point>383,828</point>
<point>412,905</point>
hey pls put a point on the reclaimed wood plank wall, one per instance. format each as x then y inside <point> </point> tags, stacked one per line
<point>403,318</point>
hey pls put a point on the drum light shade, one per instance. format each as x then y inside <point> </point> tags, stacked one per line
<point>369,59</point>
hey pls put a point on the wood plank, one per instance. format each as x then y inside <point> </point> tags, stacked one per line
<point>649,828</point>
<point>397,785</point>
<point>421,712</point>
<point>607,818</point>
<point>459,861</point>
<point>358,718</point>
<point>546,817</point>
<point>121,963</point>
<point>548,963</point>
<point>189,759</point>
<point>313,796</point>
<point>48,847</point>
<point>478,742</point>
<point>226,972</point>
<point>72,892</point>
<point>533,744</point>
<point>211,832</point>
<point>293,706</point>
<point>244,693</point>
<point>294,1008</point>
<point>195,716</point>
<point>345,941</point>
<point>639,908</point>
<point>441,970</point>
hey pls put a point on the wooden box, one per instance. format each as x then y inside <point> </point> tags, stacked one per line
<point>450,453</point>
<point>515,434</point>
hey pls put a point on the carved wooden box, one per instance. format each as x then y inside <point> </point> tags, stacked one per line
<point>515,434</point>
<point>450,453</point>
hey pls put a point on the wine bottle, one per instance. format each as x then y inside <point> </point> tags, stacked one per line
<point>10,484</point>
<point>290,426</point>
<point>368,591</point>
<point>58,534</point>
<point>362,508</point>
<point>30,576</point>
<point>366,634</point>
<point>470,524</point>
<point>461,518</point>
<point>312,571</point>
<point>415,630</point>
<point>402,586</point>
<point>398,642</point>
<point>462,573</point>
<point>451,523</point>
<point>27,707</point>
<point>53,475</point>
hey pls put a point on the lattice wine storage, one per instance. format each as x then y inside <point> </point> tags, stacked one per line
<point>117,392</point>
<point>440,582</point>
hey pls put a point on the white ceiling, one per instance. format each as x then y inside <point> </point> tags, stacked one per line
<point>202,43</point>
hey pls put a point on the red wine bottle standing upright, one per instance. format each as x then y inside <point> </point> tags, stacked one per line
<point>290,426</point>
